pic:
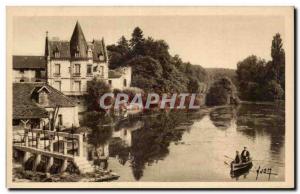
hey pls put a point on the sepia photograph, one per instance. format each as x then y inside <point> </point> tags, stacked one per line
<point>150,97</point>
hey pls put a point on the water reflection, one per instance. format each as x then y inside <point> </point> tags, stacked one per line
<point>147,139</point>
<point>222,117</point>
<point>180,146</point>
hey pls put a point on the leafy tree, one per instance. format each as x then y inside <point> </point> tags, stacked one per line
<point>153,55</point>
<point>222,92</point>
<point>137,40</point>
<point>146,73</point>
<point>95,89</point>
<point>274,90</point>
<point>119,54</point>
<point>278,60</point>
<point>257,78</point>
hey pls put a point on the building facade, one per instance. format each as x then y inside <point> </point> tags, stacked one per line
<point>71,64</point>
<point>38,104</point>
<point>120,78</point>
<point>29,69</point>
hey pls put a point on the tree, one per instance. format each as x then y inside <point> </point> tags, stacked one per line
<point>257,78</point>
<point>137,40</point>
<point>95,89</point>
<point>222,92</point>
<point>274,90</point>
<point>146,73</point>
<point>119,54</point>
<point>154,68</point>
<point>251,75</point>
<point>123,45</point>
<point>278,60</point>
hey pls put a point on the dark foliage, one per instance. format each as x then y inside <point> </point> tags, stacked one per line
<point>154,69</point>
<point>260,80</point>
<point>95,89</point>
<point>222,92</point>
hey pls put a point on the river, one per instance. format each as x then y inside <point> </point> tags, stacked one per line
<point>197,146</point>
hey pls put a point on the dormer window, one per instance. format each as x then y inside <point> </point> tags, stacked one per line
<point>43,94</point>
<point>77,54</point>
<point>101,57</point>
<point>43,98</point>
<point>57,54</point>
<point>90,53</point>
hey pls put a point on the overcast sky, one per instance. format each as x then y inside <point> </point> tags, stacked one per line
<point>210,41</point>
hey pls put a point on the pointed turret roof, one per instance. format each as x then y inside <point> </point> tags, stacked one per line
<point>78,42</point>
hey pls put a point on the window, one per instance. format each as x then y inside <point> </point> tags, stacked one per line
<point>56,54</point>
<point>102,70</point>
<point>77,54</point>
<point>57,69</point>
<point>38,74</point>
<point>77,69</point>
<point>89,69</point>
<point>57,85</point>
<point>101,57</point>
<point>109,81</point>
<point>95,68</point>
<point>43,98</point>
<point>69,69</point>
<point>77,85</point>
<point>125,83</point>
<point>60,119</point>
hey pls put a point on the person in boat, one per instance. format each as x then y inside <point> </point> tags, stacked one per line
<point>237,158</point>
<point>245,155</point>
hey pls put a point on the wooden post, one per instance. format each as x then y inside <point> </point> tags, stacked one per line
<point>26,157</point>
<point>64,166</point>
<point>80,145</point>
<point>50,163</point>
<point>26,138</point>
<point>38,138</point>
<point>36,161</point>
<point>50,144</point>
<point>65,146</point>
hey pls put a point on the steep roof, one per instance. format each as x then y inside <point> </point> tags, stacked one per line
<point>63,47</point>
<point>99,49</point>
<point>25,106</point>
<point>29,62</point>
<point>78,42</point>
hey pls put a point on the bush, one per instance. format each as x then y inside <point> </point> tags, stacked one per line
<point>95,89</point>
<point>222,92</point>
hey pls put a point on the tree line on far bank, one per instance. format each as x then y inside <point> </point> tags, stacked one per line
<point>261,80</point>
<point>154,69</point>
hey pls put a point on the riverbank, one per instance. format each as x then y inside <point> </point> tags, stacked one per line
<point>21,175</point>
<point>263,102</point>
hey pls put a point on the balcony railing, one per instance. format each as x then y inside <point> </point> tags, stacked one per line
<point>76,74</point>
<point>56,74</point>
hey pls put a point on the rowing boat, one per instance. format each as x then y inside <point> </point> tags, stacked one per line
<point>235,167</point>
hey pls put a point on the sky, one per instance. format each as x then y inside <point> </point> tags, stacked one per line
<point>209,41</point>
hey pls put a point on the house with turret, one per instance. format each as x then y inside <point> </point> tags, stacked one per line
<point>71,64</point>
<point>68,65</point>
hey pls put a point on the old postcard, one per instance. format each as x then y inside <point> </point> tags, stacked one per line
<point>150,97</point>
